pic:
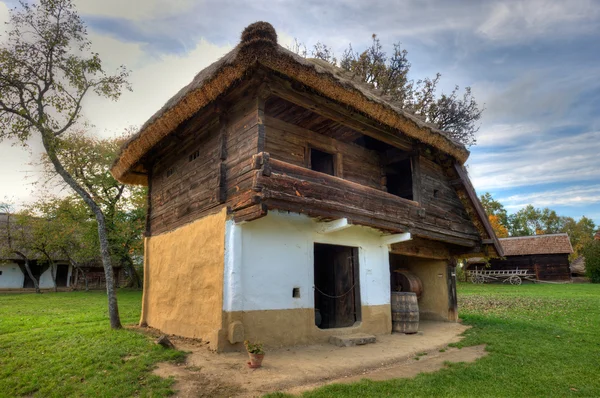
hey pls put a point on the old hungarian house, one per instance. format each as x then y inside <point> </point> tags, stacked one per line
<point>285,197</point>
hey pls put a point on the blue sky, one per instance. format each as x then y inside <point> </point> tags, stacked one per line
<point>534,64</point>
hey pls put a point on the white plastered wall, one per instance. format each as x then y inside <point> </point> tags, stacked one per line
<point>267,258</point>
<point>46,278</point>
<point>12,277</point>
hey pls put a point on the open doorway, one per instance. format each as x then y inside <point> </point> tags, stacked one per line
<point>337,287</point>
<point>62,274</point>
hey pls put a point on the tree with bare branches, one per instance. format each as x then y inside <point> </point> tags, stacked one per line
<point>454,113</point>
<point>47,68</point>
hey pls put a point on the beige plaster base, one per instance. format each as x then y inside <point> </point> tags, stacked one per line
<point>183,279</point>
<point>433,304</point>
<point>279,328</point>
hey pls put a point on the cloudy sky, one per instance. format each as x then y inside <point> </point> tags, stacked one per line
<point>534,64</point>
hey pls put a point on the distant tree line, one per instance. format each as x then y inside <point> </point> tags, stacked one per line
<point>534,221</point>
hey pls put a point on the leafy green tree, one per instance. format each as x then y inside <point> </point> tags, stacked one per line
<point>591,252</point>
<point>494,208</point>
<point>88,160</point>
<point>46,71</point>
<point>457,113</point>
<point>580,232</point>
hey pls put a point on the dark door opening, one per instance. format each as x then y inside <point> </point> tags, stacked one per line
<point>321,161</point>
<point>337,287</point>
<point>62,272</point>
<point>399,179</point>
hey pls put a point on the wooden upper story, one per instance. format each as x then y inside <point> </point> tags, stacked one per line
<point>269,144</point>
<point>263,130</point>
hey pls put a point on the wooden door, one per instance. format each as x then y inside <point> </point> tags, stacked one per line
<point>337,288</point>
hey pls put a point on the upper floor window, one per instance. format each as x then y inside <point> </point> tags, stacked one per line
<point>399,179</point>
<point>322,162</point>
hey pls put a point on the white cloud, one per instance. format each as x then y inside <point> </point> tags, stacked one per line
<point>154,81</point>
<point>134,10</point>
<point>505,134</point>
<point>578,195</point>
<point>540,161</point>
<point>3,16</point>
<point>518,21</point>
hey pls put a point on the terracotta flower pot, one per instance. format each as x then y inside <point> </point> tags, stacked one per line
<point>255,360</point>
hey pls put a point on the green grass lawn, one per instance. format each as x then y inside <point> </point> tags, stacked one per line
<point>60,344</point>
<point>544,340</point>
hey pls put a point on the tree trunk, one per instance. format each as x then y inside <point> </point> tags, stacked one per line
<point>28,269</point>
<point>49,141</point>
<point>75,284</point>
<point>113,309</point>
<point>134,278</point>
<point>85,279</point>
<point>53,274</point>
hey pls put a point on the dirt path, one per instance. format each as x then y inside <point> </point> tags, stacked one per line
<point>296,369</point>
<point>429,363</point>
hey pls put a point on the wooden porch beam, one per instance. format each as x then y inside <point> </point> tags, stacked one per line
<point>396,238</point>
<point>333,226</point>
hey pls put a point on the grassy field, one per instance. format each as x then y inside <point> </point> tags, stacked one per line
<point>60,344</point>
<point>544,340</point>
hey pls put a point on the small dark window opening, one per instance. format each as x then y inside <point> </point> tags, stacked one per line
<point>0,272</point>
<point>170,172</point>
<point>321,161</point>
<point>296,292</point>
<point>194,155</point>
<point>337,286</point>
<point>399,179</point>
<point>436,193</point>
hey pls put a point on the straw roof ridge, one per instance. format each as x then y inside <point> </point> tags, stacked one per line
<point>534,236</point>
<point>259,46</point>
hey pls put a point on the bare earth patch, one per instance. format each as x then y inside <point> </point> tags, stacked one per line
<point>296,369</point>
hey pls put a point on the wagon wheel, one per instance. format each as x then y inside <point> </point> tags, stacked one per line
<point>515,280</point>
<point>477,279</point>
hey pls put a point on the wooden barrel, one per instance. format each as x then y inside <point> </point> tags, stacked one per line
<point>406,281</point>
<point>405,312</point>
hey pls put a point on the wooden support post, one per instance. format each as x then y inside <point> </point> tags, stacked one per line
<point>148,229</point>
<point>261,98</point>
<point>415,162</point>
<point>333,226</point>
<point>452,300</point>
<point>222,180</point>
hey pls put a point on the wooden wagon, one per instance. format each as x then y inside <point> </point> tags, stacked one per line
<point>513,276</point>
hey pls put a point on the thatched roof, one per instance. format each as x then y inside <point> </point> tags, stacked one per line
<point>538,244</point>
<point>259,46</point>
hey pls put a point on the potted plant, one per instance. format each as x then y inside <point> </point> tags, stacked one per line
<point>256,353</point>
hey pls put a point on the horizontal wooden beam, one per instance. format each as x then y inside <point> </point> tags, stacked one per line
<point>396,238</point>
<point>333,226</point>
<point>301,190</point>
<point>394,156</point>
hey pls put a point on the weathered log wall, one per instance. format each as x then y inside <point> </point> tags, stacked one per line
<point>211,162</point>
<point>206,162</point>
<point>289,143</point>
